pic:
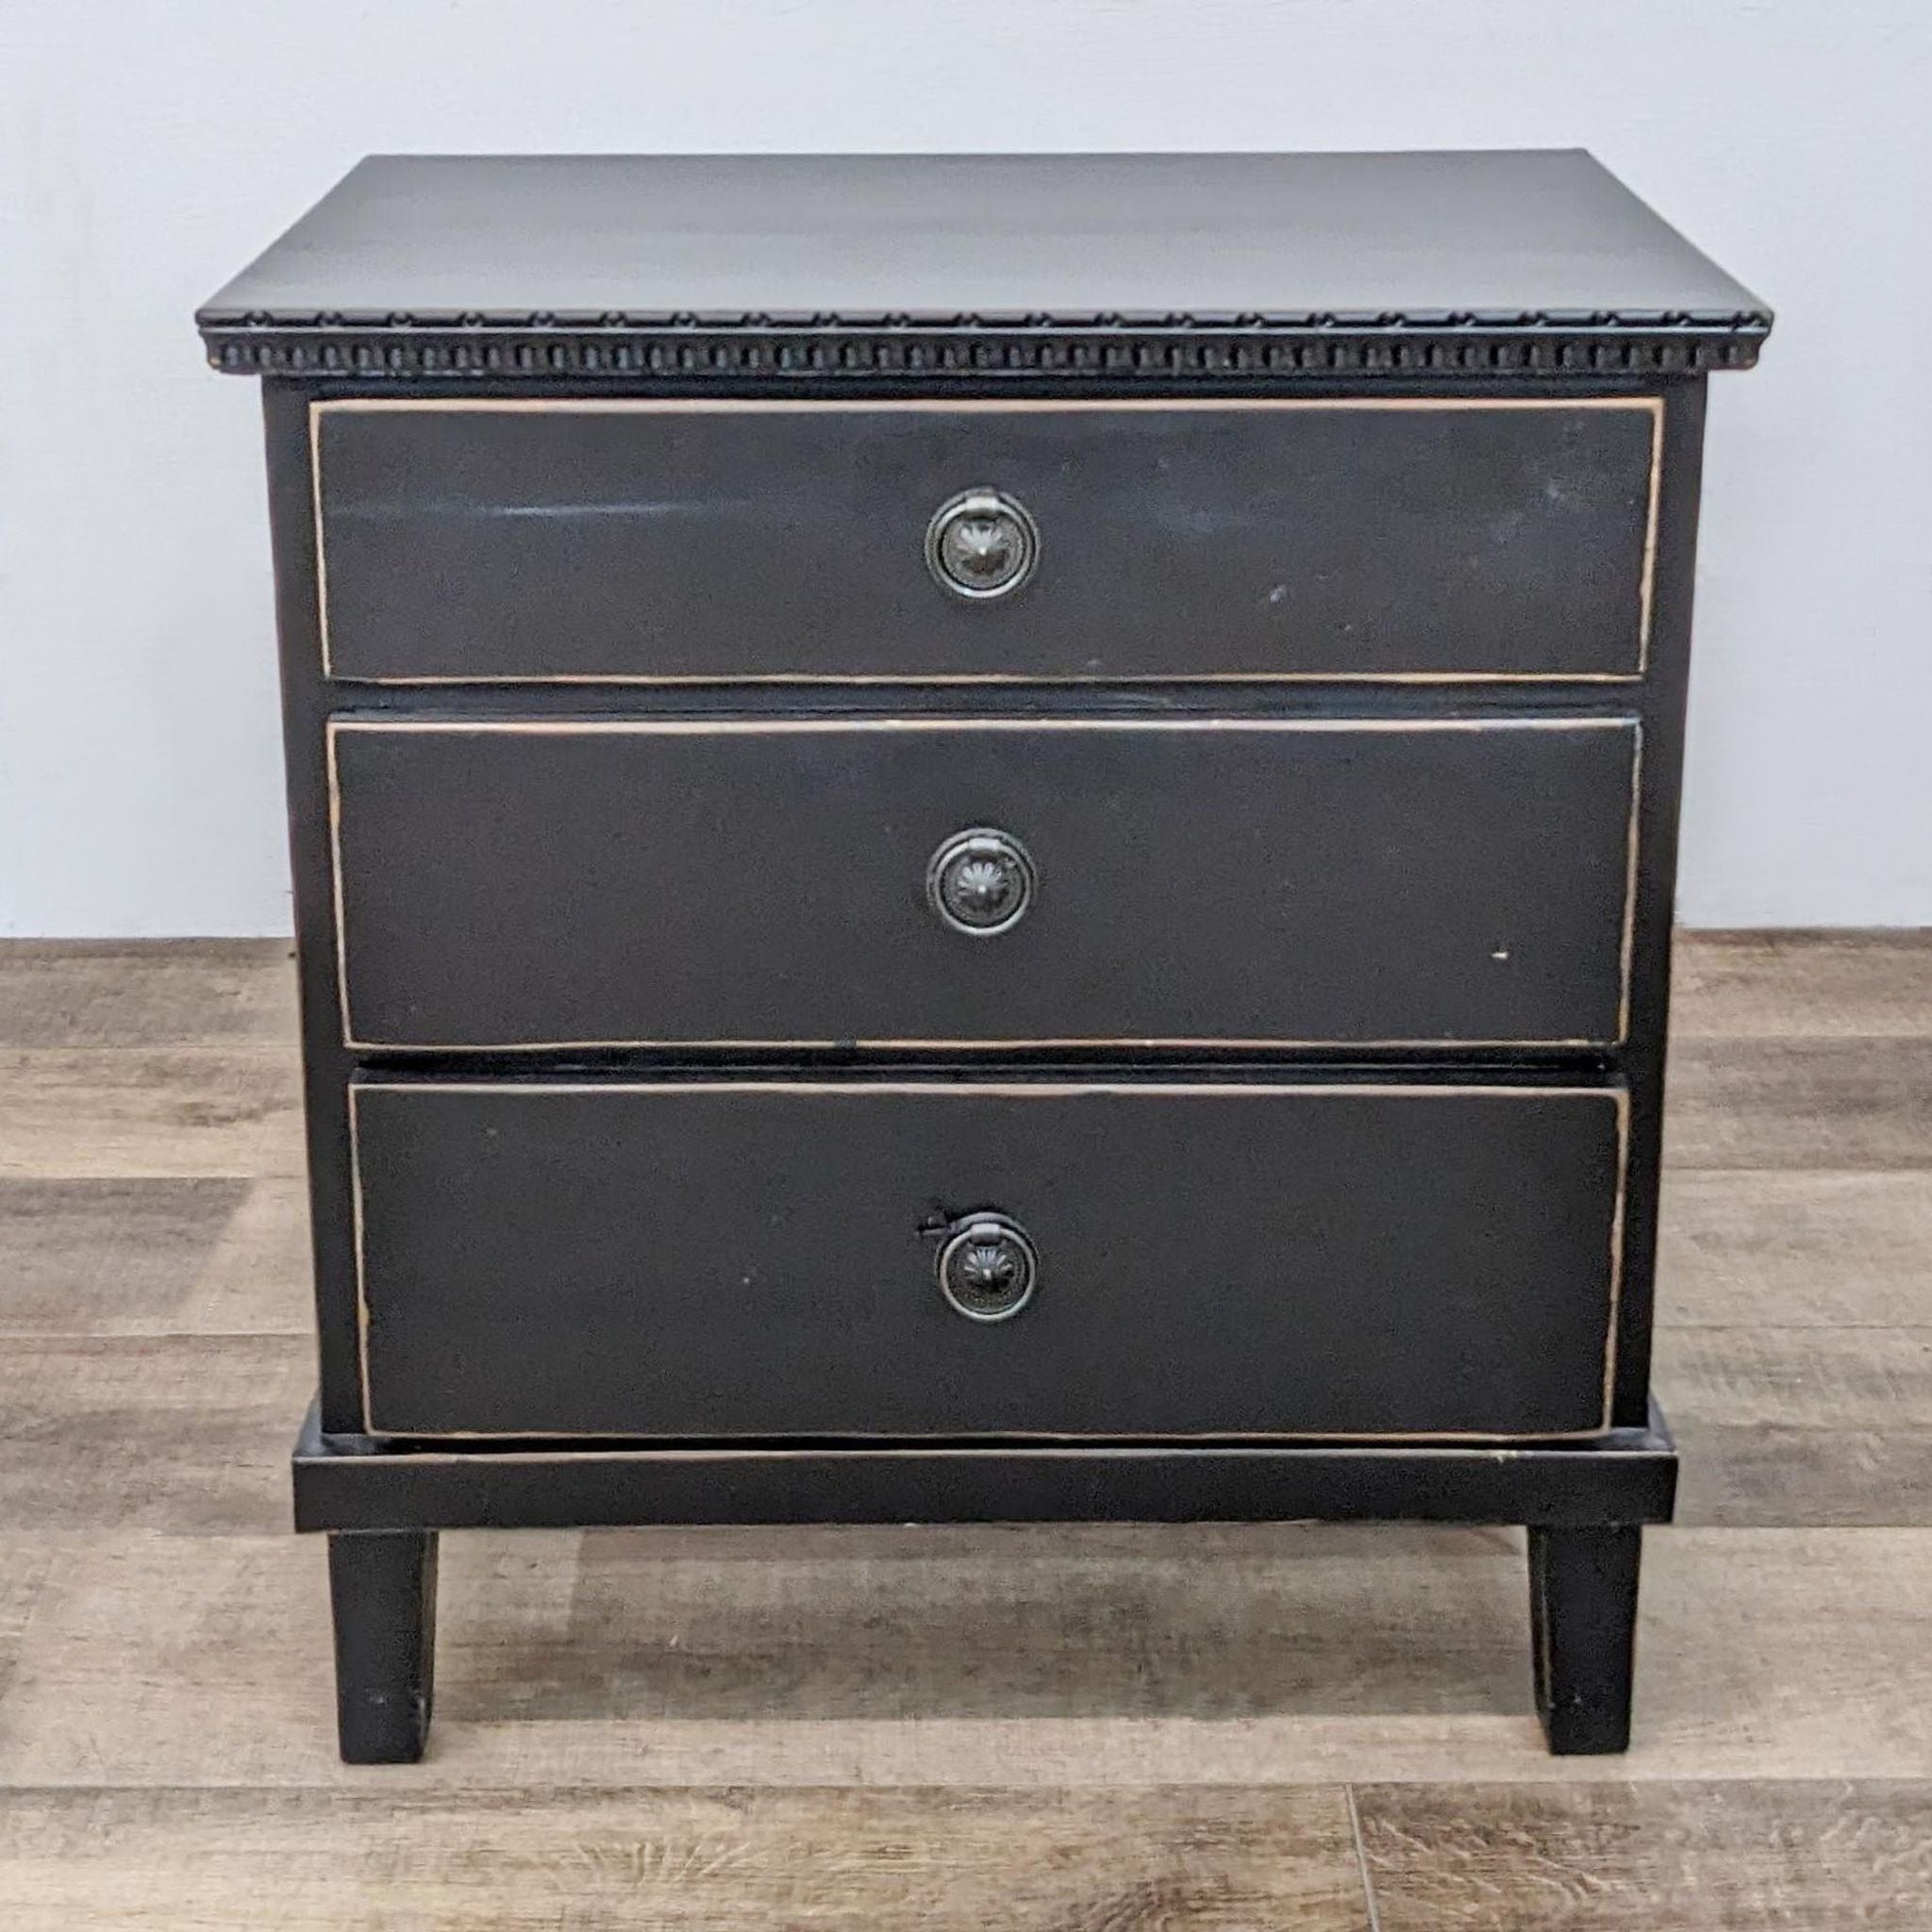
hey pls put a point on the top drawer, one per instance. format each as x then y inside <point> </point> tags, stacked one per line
<point>629,540</point>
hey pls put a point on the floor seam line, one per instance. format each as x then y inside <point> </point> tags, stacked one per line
<point>1362,1859</point>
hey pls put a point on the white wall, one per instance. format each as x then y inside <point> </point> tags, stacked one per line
<point>147,150</point>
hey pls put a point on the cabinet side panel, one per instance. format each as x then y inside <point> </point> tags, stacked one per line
<point>1656,896</point>
<point>325,1065</point>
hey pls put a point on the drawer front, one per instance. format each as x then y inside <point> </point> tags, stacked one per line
<point>762,1258</point>
<point>630,883</point>
<point>647,541</point>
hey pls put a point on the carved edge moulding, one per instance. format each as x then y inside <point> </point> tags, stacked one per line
<point>1124,348</point>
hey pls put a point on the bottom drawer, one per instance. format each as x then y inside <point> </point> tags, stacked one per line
<point>930,1257</point>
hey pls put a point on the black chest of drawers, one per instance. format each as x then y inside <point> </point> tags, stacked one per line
<point>998,869</point>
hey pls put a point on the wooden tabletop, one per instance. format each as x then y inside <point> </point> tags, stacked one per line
<point>1482,243</point>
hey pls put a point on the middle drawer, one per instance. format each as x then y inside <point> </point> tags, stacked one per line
<point>983,882</point>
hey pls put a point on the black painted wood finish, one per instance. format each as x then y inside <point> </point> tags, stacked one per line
<point>350,1481</point>
<point>935,269</point>
<point>554,882</point>
<point>557,1259</point>
<point>1392,845</point>
<point>1583,1632</point>
<point>1424,536</point>
<point>382,1588</point>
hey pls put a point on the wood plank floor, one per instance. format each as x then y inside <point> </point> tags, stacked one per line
<point>1288,1726</point>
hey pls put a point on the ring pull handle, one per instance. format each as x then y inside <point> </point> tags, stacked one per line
<point>981,881</point>
<point>988,1267</point>
<point>981,545</point>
